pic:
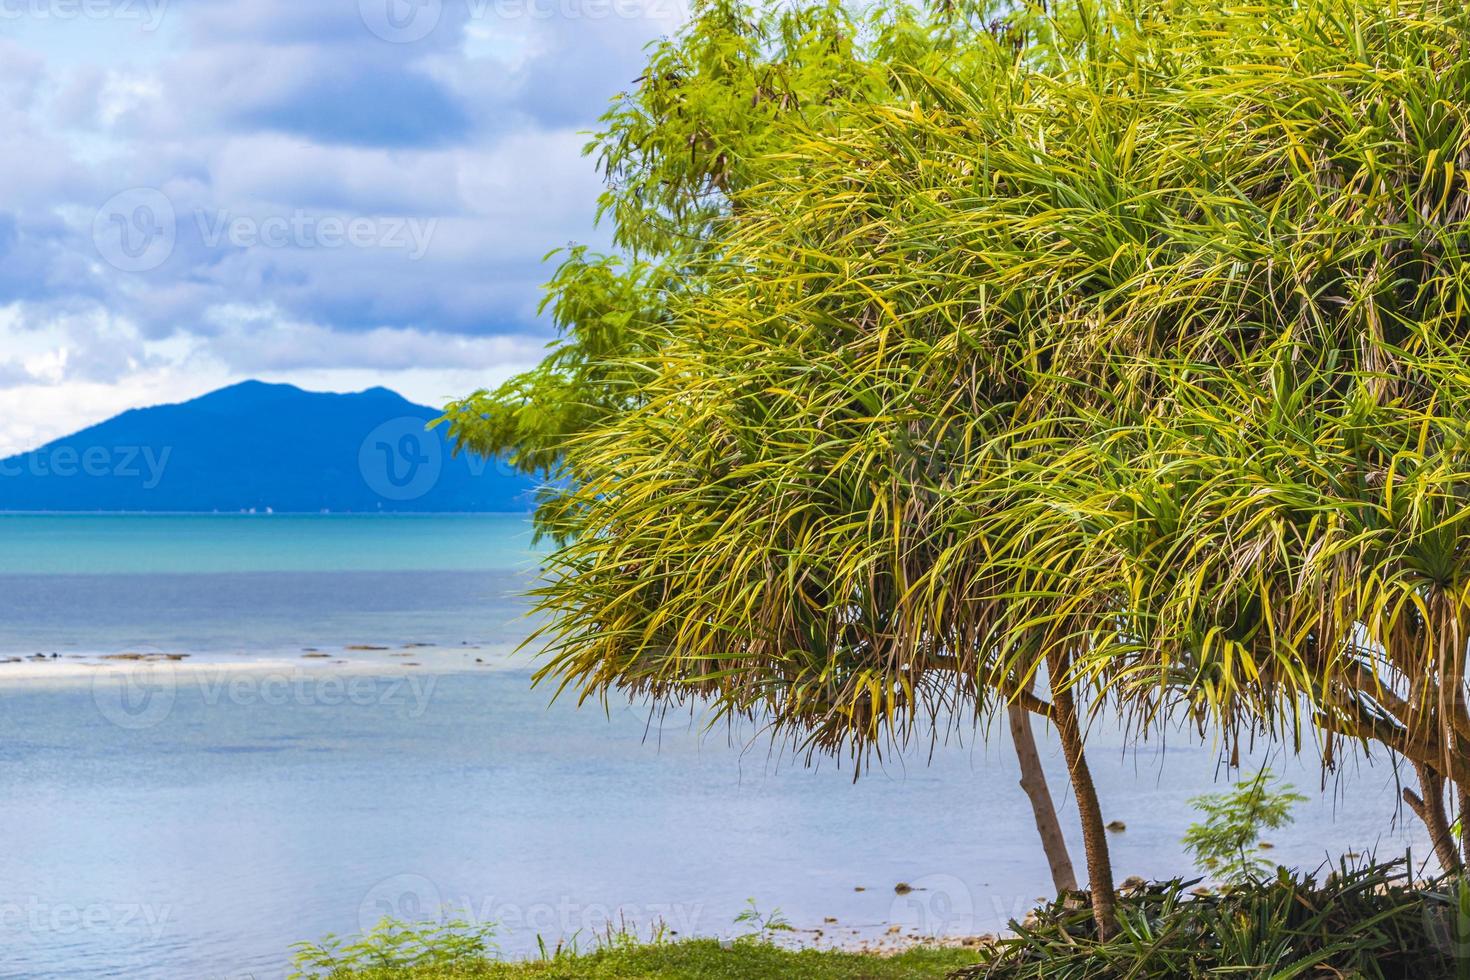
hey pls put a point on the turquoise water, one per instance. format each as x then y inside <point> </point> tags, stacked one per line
<point>48,544</point>
<point>218,586</point>
<point>193,822</point>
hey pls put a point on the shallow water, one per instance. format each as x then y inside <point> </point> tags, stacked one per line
<point>200,824</point>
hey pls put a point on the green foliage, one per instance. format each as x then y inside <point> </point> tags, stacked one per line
<point>396,946</point>
<point>1226,845</point>
<point>715,109</point>
<point>1124,332</point>
<point>696,960</point>
<point>763,928</point>
<point>1366,922</point>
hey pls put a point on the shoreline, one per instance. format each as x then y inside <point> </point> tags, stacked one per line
<point>355,659</point>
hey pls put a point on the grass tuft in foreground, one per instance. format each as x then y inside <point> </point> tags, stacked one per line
<point>704,959</point>
<point>458,949</point>
<point>1369,923</point>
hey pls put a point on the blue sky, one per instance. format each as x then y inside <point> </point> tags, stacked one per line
<point>334,193</point>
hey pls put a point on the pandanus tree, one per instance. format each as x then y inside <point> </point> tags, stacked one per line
<point>1262,513</point>
<point>1130,356</point>
<point>814,642</point>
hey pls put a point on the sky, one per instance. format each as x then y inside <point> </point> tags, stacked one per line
<point>332,193</point>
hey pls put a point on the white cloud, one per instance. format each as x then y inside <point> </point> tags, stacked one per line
<point>279,109</point>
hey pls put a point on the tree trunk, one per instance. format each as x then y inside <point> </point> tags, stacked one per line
<point>1033,781</point>
<point>1094,834</point>
<point>1464,795</point>
<point>1430,809</point>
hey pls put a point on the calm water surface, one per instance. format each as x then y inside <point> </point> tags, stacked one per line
<point>200,824</point>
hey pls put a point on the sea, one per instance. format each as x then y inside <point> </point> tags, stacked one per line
<point>224,735</point>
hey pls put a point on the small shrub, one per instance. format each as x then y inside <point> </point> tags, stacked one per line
<point>396,945</point>
<point>1226,846</point>
<point>763,927</point>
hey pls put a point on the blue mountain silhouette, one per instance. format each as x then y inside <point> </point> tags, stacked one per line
<point>263,446</point>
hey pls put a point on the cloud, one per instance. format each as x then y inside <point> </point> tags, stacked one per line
<point>384,198</point>
<point>256,343</point>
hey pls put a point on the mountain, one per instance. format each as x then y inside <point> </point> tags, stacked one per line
<point>258,446</point>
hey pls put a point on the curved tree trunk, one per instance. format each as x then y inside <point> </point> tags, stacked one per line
<point>1464,822</point>
<point>1430,809</point>
<point>1094,833</point>
<point>1033,781</point>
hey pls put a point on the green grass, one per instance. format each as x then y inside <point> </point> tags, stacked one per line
<point>698,960</point>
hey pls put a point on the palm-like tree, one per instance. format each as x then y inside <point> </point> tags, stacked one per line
<point>1129,354</point>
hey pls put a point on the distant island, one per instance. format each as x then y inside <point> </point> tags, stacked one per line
<point>263,448</point>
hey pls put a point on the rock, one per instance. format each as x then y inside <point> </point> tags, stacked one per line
<point>902,888</point>
<point>315,656</point>
<point>364,646</point>
<point>1117,826</point>
<point>146,657</point>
